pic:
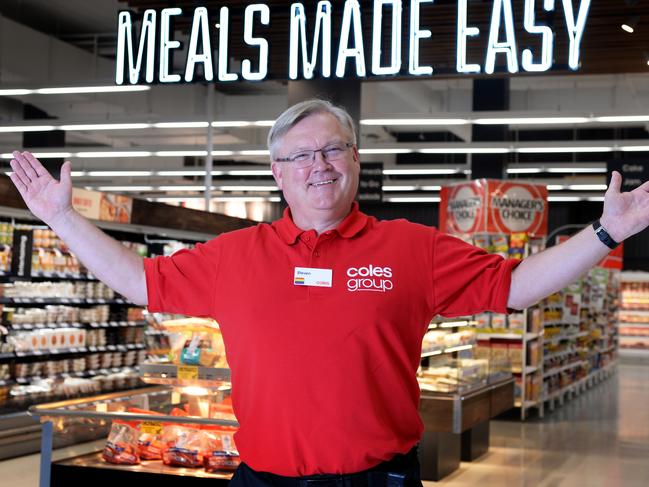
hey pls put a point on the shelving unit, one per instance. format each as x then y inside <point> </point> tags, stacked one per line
<point>633,316</point>
<point>581,339</point>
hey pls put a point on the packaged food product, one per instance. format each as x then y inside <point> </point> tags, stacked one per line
<point>221,452</point>
<point>183,444</point>
<point>121,447</point>
<point>149,442</point>
<point>196,341</point>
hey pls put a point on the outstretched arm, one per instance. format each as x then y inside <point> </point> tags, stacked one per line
<point>51,201</point>
<point>542,274</point>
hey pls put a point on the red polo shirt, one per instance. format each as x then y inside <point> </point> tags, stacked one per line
<point>324,377</point>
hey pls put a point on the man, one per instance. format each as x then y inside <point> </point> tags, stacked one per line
<point>323,311</point>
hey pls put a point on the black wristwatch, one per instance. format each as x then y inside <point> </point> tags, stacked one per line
<point>603,235</point>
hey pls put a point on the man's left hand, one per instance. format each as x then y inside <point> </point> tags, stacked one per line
<point>625,214</point>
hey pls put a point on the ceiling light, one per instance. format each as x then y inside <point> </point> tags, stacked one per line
<point>231,124</point>
<point>78,174</point>
<point>423,171</point>
<point>415,121</point>
<point>568,170</point>
<point>51,155</point>
<point>561,150</point>
<point>399,188</point>
<point>466,150</point>
<point>555,187</point>
<point>90,89</point>
<point>181,153</point>
<point>430,188</point>
<point>628,28</point>
<point>27,128</point>
<point>531,120</point>
<point>106,126</point>
<point>182,188</point>
<point>115,154</point>
<point>72,89</point>
<point>635,148</point>
<point>264,123</point>
<point>180,125</point>
<point>595,198</point>
<point>118,173</point>
<point>250,172</point>
<point>564,198</point>
<point>198,172</point>
<point>523,170</point>
<point>263,152</point>
<point>414,199</point>
<point>623,118</point>
<point>124,188</point>
<point>385,151</point>
<point>587,187</point>
<point>247,188</point>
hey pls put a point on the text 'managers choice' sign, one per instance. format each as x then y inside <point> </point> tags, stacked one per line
<point>146,43</point>
<point>490,206</point>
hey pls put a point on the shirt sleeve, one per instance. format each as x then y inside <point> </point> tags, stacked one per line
<point>468,280</point>
<point>184,283</point>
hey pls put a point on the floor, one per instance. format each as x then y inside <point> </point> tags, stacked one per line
<point>600,439</point>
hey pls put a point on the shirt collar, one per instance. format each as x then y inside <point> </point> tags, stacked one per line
<point>353,223</point>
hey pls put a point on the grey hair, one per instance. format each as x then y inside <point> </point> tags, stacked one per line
<point>293,115</point>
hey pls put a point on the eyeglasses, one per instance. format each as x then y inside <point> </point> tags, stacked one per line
<point>306,157</point>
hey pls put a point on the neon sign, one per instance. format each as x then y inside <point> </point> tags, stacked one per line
<point>146,43</point>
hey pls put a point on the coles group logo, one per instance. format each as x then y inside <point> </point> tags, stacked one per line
<point>369,278</point>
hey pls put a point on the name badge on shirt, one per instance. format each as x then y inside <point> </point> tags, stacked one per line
<point>306,276</point>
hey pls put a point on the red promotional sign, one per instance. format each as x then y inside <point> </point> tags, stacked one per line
<point>494,207</point>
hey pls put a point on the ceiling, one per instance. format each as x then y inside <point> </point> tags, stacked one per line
<point>72,42</point>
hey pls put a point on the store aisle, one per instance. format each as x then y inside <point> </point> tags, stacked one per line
<point>600,439</point>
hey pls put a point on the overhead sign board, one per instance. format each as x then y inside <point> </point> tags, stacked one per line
<point>147,43</point>
<point>634,172</point>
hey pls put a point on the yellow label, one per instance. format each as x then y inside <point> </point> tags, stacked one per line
<point>188,372</point>
<point>151,427</point>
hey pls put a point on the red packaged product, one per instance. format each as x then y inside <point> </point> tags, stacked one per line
<point>221,453</point>
<point>149,441</point>
<point>121,447</point>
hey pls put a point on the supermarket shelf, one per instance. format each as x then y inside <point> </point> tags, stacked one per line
<point>84,374</point>
<point>634,312</point>
<point>526,404</point>
<point>558,370</point>
<point>452,324</point>
<point>635,325</point>
<point>508,336</point>
<point>111,324</point>
<point>183,375</point>
<point>634,352</point>
<point>559,338</point>
<point>529,369</point>
<point>77,350</point>
<point>458,348</point>
<point>40,276</point>
<point>559,354</point>
<point>33,300</point>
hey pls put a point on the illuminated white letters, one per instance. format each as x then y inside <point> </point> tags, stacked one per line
<point>502,9</point>
<point>547,41</point>
<point>415,35</point>
<point>395,44</point>
<point>224,21</point>
<point>575,29</point>
<point>463,31</point>
<point>352,13</point>
<point>246,69</point>
<point>298,35</point>
<point>125,47</point>
<point>147,56</point>
<point>166,45</point>
<point>200,26</point>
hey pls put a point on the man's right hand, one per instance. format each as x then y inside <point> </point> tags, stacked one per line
<point>47,198</point>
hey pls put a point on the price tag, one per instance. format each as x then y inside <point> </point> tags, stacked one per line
<point>187,372</point>
<point>151,427</point>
